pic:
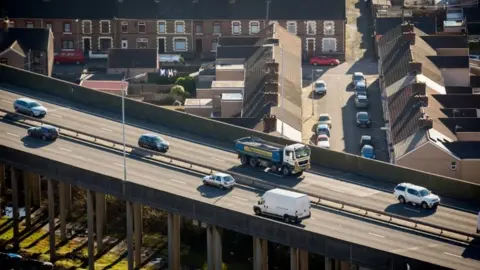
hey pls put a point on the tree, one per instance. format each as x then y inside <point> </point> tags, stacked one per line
<point>178,90</point>
<point>188,84</point>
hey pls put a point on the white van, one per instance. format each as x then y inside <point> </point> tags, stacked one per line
<point>288,205</point>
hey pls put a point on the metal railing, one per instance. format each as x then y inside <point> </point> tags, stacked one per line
<point>322,201</point>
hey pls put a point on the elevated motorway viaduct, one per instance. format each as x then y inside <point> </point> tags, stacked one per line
<point>340,238</point>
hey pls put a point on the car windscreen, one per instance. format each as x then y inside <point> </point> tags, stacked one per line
<point>158,139</point>
<point>322,139</point>
<point>358,77</point>
<point>424,192</point>
<point>324,118</point>
<point>302,152</point>
<point>363,116</point>
<point>319,85</point>
<point>33,105</point>
<point>367,150</point>
<point>228,179</point>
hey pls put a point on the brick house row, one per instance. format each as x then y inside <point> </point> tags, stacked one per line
<point>163,24</point>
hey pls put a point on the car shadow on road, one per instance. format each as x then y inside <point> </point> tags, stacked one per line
<point>472,251</point>
<point>35,143</point>
<point>211,191</point>
<point>273,178</point>
<point>314,96</point>
<point>409,211</point>
<point>351,133</point>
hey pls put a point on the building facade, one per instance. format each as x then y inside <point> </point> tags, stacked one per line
<point>122,25</point>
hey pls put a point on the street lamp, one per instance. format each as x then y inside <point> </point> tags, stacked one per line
<point>282,84</point>
<point>78,33</point>
<point>313,92</point>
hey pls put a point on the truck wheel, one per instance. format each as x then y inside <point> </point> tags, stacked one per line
<point>244,160</point>
<point>274,169</point>
<point>253,162</point>
<point>286,218</point>
<point>257,211</point>
<point>285,170</point>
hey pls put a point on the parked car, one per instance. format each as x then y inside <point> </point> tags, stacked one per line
<point>474,57</point>
<point>365,140</point>
<point>45,132</point>
<point>153,142</point>
<point>361,101</point>
<point>323,129</point>
<point>416,195</point>
<point>30,107</point>
<point>220,180</point>
<point>361,88</point>
<point>363,119</point>
<point>324,61</point>
<point>69,57</point>
<point>320,87</point>
<point>368,151</point>
<point>358,77</point>
<point>324,118</point>
<point>287,205</point>
<point>323,141</point>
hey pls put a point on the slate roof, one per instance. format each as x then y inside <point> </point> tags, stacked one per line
<point>237,41</point>
<point>35,39</point>
<point>458,89</point>
<point>464,150</point>
<point>132,58</point>
<point>450,61</point>
<point>426,24</point>
<point>450,42</point>
<point>15,47</point>
<point>475,80</point>
<point>176,9</point>
<point>459,101</point>
<point>465,124</point>
<point>473,28</point>
<point>236,52</point>
<point>472,14</point>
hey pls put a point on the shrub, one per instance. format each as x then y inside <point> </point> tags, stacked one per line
<point>188,84</point>
<point>178,90</point>
<point>167,99</point>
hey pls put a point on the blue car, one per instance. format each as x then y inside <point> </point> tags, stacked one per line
<point>368,151</point>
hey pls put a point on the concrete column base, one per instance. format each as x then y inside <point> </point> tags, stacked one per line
<point>303,258</point>
<point>260,254</point>
<point>16,218</point>
<point>138,227</point>
<point>63,211</point>
<point>214,248</point>
<point>294,262</point>
<point>99,217</point>
<point>129,235</point>
<point>51,219</point>
<point>173,241</point>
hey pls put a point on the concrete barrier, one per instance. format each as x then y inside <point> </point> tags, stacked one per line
<point>224,132</point>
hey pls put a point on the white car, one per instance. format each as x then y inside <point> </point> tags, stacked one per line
<point>323,141</point>
<point>220,180</point>
<point>324,118</point>
<point>416,195</point>
<point>320,87</point>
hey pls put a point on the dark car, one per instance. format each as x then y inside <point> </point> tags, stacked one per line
<point>153,142</point>
<point>44,132</point>
<point>363,119</point>
<point>365,140</point>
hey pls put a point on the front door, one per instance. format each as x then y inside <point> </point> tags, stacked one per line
<point>124,44</point>
<point>161,45</point>
<point>310,48</point>
<point>198,46</point>
<point>86,46</point>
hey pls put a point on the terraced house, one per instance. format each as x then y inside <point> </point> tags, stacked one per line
<point>189,27</point>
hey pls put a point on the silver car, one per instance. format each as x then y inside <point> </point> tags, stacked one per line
<point>30,107</point>
<point>320,87</point>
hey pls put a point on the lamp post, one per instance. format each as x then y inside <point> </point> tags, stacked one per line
<point>78,33</point>
<point>282,84</point>
<point>313,92</point>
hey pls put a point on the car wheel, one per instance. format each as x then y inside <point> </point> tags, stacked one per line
<point>285,170</point>
<point>286,218</point>
<point>244,160</point>
<point>401,199</point>
<point>31,114</point>
<point>222,187</point>
<point>424,205</point>
<point>332,64</point>
<point>257,211</point>
<point>315,64</point>
<point>44,138</point>
<point>253,162</point>
<point>16,109</point>
<point>205,183</point>
<point>29,133</point>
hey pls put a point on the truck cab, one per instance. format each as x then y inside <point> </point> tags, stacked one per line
<point>297,156</point>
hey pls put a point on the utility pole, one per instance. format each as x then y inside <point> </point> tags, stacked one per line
<point>28,59</point>
<point>268,13</point>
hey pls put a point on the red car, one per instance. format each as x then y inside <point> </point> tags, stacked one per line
<point>324,61</point>
<point>69,57</point>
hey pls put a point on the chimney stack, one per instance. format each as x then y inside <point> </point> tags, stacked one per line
<point>5,24</point>
<point>425,121</point>
<point>419,88</point>
<point>407,27</point>
<point>415,68</point>
<point>408,32</point>
<point>269,123</point>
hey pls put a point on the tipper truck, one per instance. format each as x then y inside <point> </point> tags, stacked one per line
<point>289,159</point>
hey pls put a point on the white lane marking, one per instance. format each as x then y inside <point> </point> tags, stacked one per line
<point>118,164</point>
<point>239,198</point>
<point>412,248</point>
<point>106,129</point>
<point>76,156</point>
<point>454,255</point>
<point>65,149</point>
<point>377,235</point>
<point>312,218</point>
<point>12,134</point>
<point>178,181</point>
<point>217,159</point>
<point>7,101</point>
<point>56,115</point>
<point>410,209</point>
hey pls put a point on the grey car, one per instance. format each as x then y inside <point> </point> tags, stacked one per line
<point>361,101</point>
<point>30,107</point>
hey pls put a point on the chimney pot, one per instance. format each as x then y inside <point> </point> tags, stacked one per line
<point>409,36</point>
<point>407,27</point>
<point>419,88</point>
<point>415,67</point>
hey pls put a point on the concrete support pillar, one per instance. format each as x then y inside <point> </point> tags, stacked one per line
<point>173,241</point>
<point>294,262</point>
<point>129,235</point>
<point>51,219</point>
<point>27,185</point>
<point>35,190</point>
<point>2,184</point>
<point>16,231</point>
<point>63,211</point>
<point>260,254</point>
<point>345,265</point>
<point>99,218</point>
<point>214,248</point>
<point>336,264</point>
<point>39,191</point>
<point>90,215</point>
<point>68,197</point>
<point>328,263</point>
<point>138,227</point>
<point>303,258</point>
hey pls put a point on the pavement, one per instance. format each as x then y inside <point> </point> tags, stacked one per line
<point>240,199</point>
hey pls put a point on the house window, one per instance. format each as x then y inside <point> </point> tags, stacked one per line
<point>87,27</point>
<point>179,27</point>
<point>216,28</point>
<point>292,27</point>
<point>29,24</point>
<point>329,28</point>
<point>214,45</point>
<point>198,28</point>
<point>105,27</point>
<point>179,44</point>
<point>254,27</point>
<point>104,43</point>
<point>49,25</point>
<point>67,28</point>
<point>36,58</point>
<point>142,43</point>
<point>67,44</point>
<point>329,45</point>
<point>4,61</point>
<point>236,28</point>
<point>142,27</point>
<point>311,28</point>
<point>162,27</point>
<point>124,27</point>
